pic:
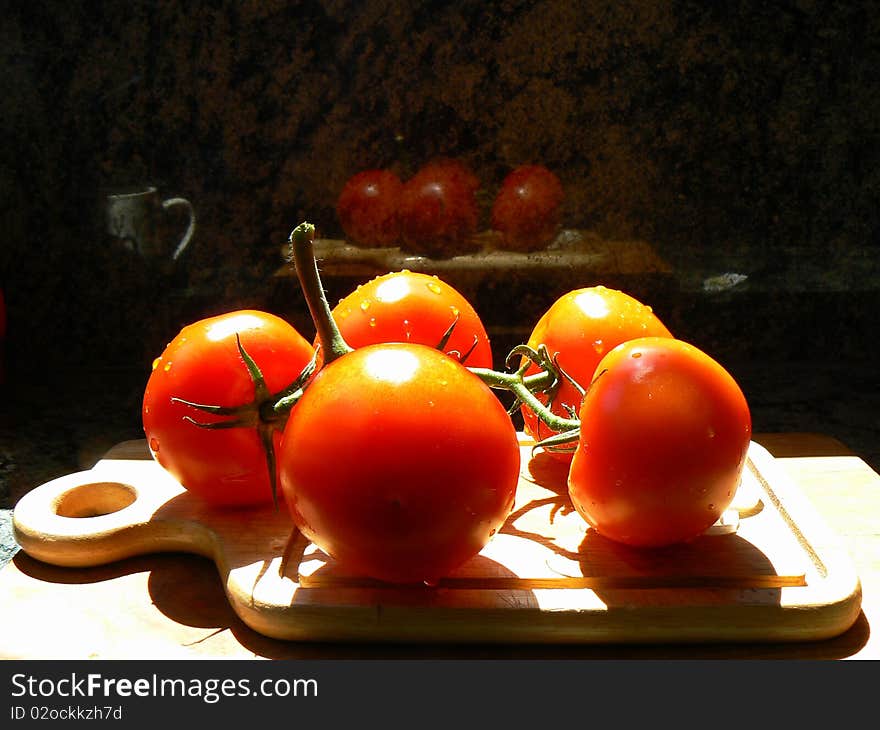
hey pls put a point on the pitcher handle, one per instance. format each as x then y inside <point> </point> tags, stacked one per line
<point>184,242</point>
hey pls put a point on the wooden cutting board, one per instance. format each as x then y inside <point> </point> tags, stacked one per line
<point>770,570</point>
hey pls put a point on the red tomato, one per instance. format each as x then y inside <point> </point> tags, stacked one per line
<point>399,463</point>
<point>438,210</point>
<point>405,306</point>
<point>527,209</point>
<point>202,364</point>
<point>368,208</point>
<point>579,328</point>
<point>663,441</point>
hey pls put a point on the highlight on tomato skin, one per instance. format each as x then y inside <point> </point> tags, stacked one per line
<point>409,306</point>
<point>579,328</point>
<point>400,464</point>
<point>664,436</point>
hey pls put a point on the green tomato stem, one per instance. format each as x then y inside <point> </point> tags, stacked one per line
<point>279,405</point>
<point>523,389</point>
<point>282,407</point>
<point>332,342</point>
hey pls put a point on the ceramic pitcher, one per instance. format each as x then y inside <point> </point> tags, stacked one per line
<point>133,216</point>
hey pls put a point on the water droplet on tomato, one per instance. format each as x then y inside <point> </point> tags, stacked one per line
<point>365,305</point>
<point>167,367</point>
<point>372,321</point>
<point>156,362</point>
<point>599,346</point>
<point>434,287</point>
<point>430,582</point>
<point>454,310</point>
<point>711,433</point>
<point>154,444</point>
<point>712,506</point>
<point>407,329</point>
<point>344,313</point>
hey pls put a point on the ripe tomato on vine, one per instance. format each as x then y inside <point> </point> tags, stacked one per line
<point>408,306</point>
<point>400,463</point>
<point>209,418</point>
<point>577,330</point>
<point>664,433</point>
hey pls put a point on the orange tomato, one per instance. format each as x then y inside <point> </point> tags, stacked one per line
<point>579,329</point>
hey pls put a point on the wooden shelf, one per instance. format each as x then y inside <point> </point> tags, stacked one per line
<point>582,252</point>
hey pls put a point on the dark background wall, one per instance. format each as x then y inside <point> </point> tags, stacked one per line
<point>726,134</point>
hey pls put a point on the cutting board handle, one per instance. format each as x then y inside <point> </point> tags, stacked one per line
<point>104,514</point>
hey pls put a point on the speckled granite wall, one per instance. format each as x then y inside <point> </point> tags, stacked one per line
<point>731,136</point>
<point>747,128</point>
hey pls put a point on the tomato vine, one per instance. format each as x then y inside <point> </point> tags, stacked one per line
<point>268,412</point>
<point>523,387</point>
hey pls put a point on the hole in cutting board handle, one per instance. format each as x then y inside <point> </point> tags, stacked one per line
<point>95,499</point>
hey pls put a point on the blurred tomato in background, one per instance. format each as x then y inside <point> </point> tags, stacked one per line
<point>528,208</point>
<point>438,210</point>
<point>367,208</point>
